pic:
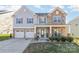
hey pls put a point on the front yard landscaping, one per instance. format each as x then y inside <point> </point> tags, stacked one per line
<point>4,37</point>
<point>58,44</point>
<point>49,47</point>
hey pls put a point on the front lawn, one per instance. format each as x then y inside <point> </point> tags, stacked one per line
<point>4,37</point>
<point>52,48</point>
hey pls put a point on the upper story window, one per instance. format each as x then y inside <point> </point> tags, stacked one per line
<point>42,20</point>
<point>19,20</point>
<point>29,20</point>
<point>57,19</point>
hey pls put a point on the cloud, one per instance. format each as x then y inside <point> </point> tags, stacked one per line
<point>74,8</point>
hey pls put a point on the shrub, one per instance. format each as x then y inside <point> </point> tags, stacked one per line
<point>63,39</point>
<point>57,38</point>
<point>51,38</point>
<point>4,37</point>
<point>69,39</point>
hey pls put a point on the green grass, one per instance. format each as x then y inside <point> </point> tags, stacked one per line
<point>4,37</point>
<point>52,48</point>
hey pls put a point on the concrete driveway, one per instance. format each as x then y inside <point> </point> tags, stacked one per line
<point>14,45</point>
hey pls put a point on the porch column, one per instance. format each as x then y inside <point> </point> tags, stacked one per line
<point>69,29</point>
<point>66,32</point>
<point>34,31</point>
<point>50,31</point>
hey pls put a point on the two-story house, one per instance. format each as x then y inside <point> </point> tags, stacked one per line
<point>27,24</point>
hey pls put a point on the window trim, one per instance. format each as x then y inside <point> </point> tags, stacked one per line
<point>57,19</point>
<point>30,20</point>
<point>19,20</point>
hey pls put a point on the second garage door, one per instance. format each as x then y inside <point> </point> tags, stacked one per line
<point>29,34</point>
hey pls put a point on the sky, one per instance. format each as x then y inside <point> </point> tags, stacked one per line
<point>71,10</point>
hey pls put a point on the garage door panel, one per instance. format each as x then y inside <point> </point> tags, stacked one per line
<point>19,34</point>
<point>29,34</point>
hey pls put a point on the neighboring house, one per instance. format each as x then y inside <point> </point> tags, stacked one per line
<point>74,26</point>
<point>6,22</point>
<point>27,24</point>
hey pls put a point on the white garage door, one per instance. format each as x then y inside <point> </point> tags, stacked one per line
<point>29,34</point>
<point>19,34</point>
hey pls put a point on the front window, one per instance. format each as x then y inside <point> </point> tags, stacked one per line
<point>57,19</point>
<point>42,20</point>
<point>19,20</point>
<point>29,20</point>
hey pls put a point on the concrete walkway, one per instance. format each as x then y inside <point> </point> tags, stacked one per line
<point>14,45</point>
<point>38,41</point>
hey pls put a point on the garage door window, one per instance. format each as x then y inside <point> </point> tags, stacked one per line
<point>17,30</point>
<point>29,30</point>
<point>21,30</point>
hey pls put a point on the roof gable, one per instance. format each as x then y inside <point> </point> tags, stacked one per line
<point>23,8</point>
<point>59,9</point>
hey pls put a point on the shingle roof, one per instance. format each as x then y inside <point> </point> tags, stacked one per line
<point>4,11</point>
<point>41,14</point>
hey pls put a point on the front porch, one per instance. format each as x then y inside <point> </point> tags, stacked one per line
<point>45,31</point>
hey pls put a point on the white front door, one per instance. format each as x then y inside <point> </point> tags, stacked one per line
<point>19,34</point>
